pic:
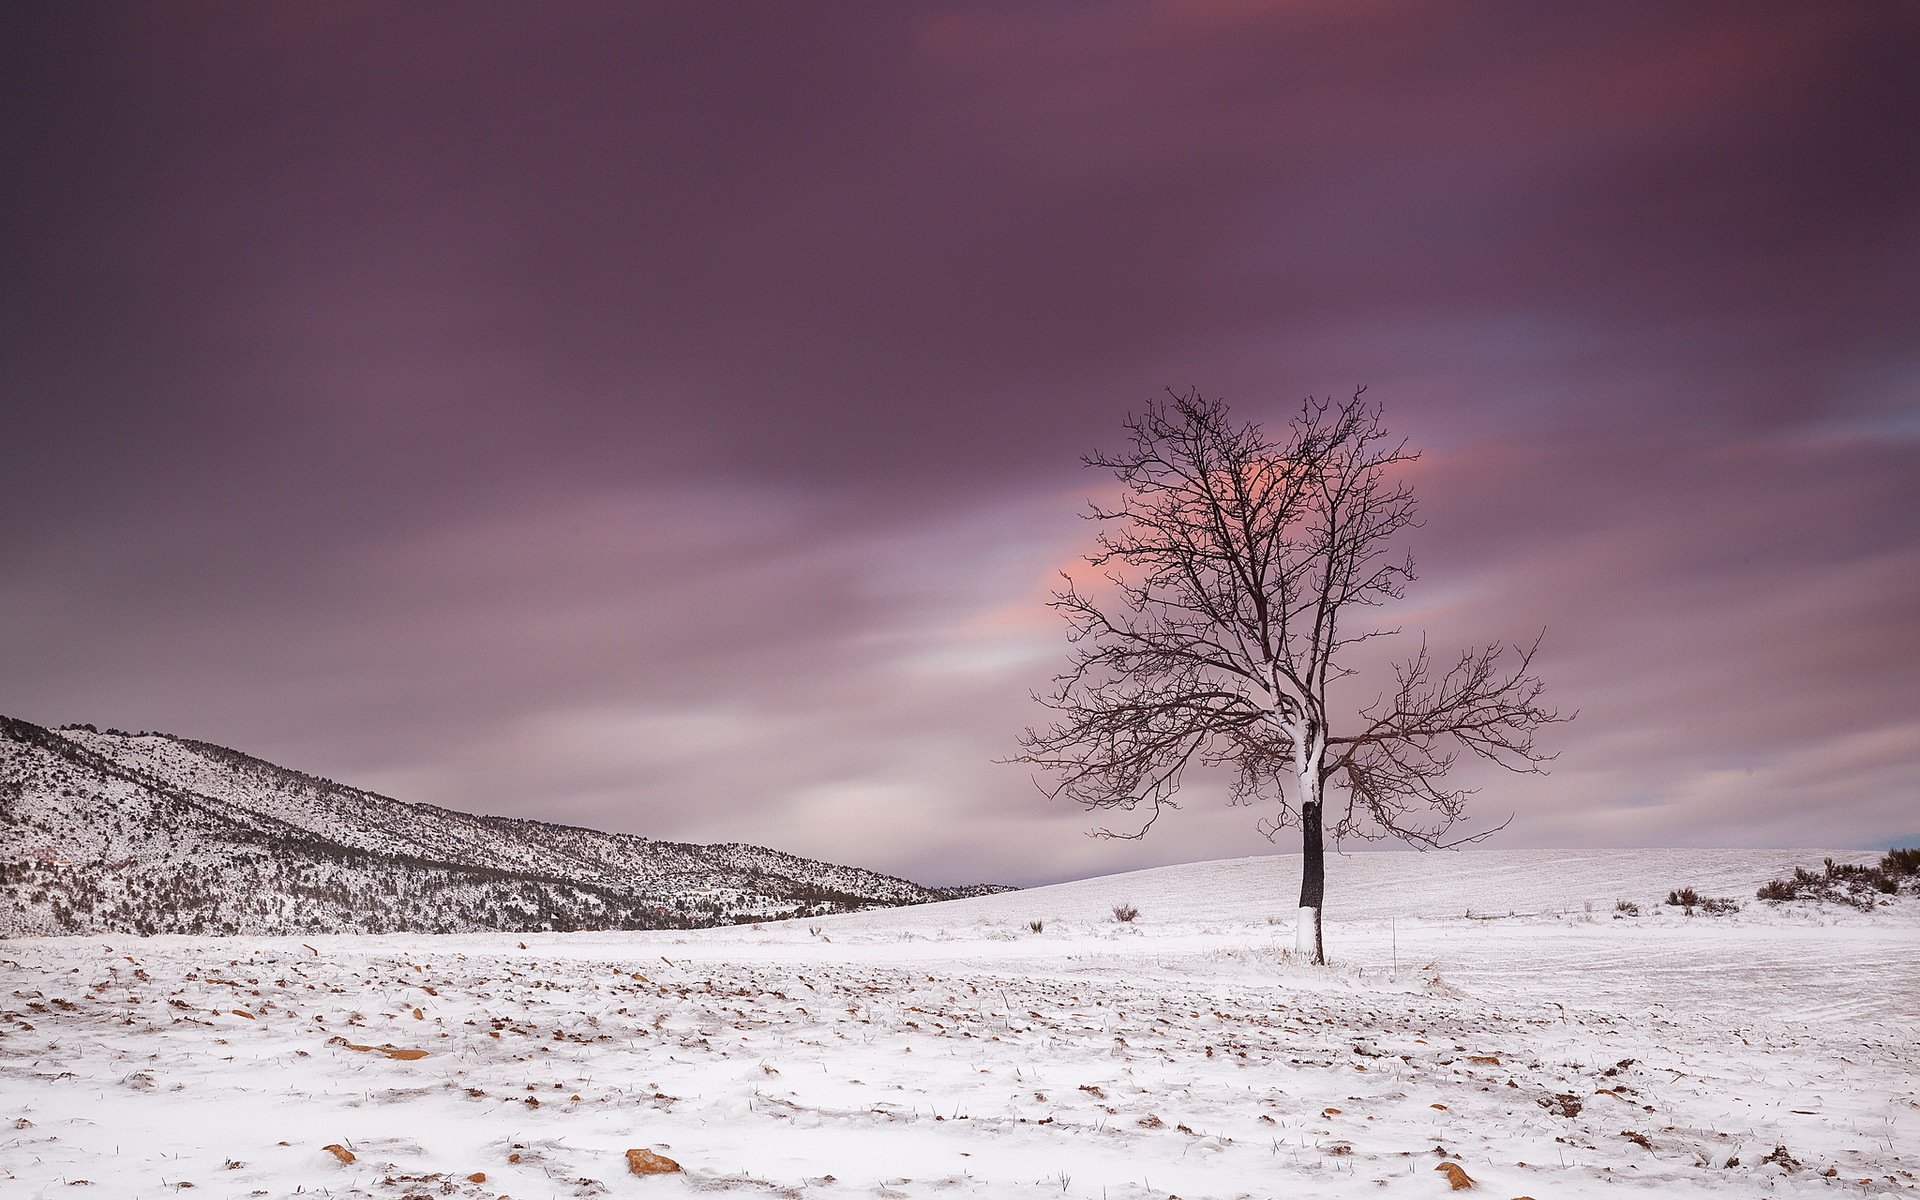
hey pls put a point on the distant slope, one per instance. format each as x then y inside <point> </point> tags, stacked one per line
<point>1377,886</point>
<point>148,833</point>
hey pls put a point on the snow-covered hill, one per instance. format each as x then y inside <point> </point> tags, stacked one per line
<point>148,833</point>
<point>1379,886</point>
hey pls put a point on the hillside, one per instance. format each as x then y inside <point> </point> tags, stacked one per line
<point>149,833</point>
<point>1377,886</point>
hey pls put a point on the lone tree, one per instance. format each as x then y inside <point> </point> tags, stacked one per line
<point>1236,569</point>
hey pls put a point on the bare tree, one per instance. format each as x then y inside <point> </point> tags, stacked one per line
<point>1235,569</point>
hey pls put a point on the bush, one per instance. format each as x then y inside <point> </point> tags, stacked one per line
<point>1901,863</point>
<point>1037,926</point>
<point>1626,908</point>
<point>1714,906</point>
<point>1124,912</point>
<point>1857,885</point>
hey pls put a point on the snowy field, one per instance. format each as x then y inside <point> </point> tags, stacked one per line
<point>1547,1048</point>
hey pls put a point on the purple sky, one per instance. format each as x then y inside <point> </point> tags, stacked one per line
<point>666,417</point>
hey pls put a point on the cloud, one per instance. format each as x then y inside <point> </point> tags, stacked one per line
<point>670,420</point>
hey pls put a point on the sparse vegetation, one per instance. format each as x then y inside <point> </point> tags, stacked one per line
<point>1125,912</point>
<point>1037,926</point>
<point>1714,906</point>
<point>1857,885</point>
<point>1626,908</point>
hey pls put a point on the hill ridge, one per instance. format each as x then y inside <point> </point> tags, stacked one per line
<point>154,833</point>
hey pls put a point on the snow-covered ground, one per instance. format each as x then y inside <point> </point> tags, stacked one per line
<point>951,1050</point>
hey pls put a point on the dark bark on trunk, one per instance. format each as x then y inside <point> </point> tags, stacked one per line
<point>1313,874</point>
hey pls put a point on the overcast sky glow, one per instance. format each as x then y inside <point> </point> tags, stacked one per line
<point>666,417</point>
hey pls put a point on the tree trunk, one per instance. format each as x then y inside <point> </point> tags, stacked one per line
<point>1307,942</point>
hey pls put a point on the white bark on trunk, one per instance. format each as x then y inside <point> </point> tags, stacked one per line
<point>1310,748</point>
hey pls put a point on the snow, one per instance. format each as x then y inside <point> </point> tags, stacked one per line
<point>950,1050</point>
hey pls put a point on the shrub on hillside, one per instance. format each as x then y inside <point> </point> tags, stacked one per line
<point>1125,912</point>
<point>1901,863</point>
<point>1713,906</point>
<point>1857,885</point>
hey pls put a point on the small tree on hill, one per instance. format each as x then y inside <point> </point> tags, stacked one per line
<point>1235,569</point>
